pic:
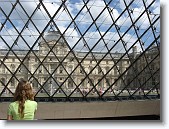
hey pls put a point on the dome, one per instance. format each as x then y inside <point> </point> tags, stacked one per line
<point>52,36</point>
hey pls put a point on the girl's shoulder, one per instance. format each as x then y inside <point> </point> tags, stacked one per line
<point>31,101</point>
<point>13,104</point>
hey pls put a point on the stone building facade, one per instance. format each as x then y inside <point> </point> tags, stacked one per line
<point>65,69</point>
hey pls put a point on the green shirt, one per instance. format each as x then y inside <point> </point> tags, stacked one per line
<point>29,110</point>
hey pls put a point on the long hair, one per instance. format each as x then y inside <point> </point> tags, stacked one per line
<point>23,92</point>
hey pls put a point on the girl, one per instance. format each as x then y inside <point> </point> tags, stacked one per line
<point>24,106</point>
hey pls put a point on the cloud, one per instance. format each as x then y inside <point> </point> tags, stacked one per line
<point>95,8</point>
<point>110,39</point>
<point>83,21</point>
<point>156,7</point>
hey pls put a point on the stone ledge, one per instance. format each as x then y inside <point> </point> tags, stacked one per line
<point>80,110</point>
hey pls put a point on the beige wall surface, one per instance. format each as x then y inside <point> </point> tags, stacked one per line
<point>68,110</point>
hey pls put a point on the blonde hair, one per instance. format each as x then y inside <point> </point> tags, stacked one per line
<point>23,92</point>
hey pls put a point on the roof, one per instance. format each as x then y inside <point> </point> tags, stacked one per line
<point>51,36</point>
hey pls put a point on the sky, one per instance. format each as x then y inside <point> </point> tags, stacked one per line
<point>82,25</point>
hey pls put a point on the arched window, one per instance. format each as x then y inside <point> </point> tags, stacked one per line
<point>90,69</point>
<point>107,69</point>
<point>70,83</point>
<point>13,82</point>
<point>61,69</point>
<point>115,71</point>
<point>2,82</point>
<point>91,83</point>
<point>82,83</point>
<point>12,67</point>
<point>2,69</point>
<point>53,67</point>
<point>100,82</point>
<point>70,68</point>
<point>99,70</point>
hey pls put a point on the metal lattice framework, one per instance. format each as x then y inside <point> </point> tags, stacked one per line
<point>81,50</point>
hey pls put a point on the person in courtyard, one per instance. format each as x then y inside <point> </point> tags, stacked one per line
<point>24,106</point>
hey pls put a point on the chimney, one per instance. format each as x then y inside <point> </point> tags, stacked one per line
<point>134,51</point>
